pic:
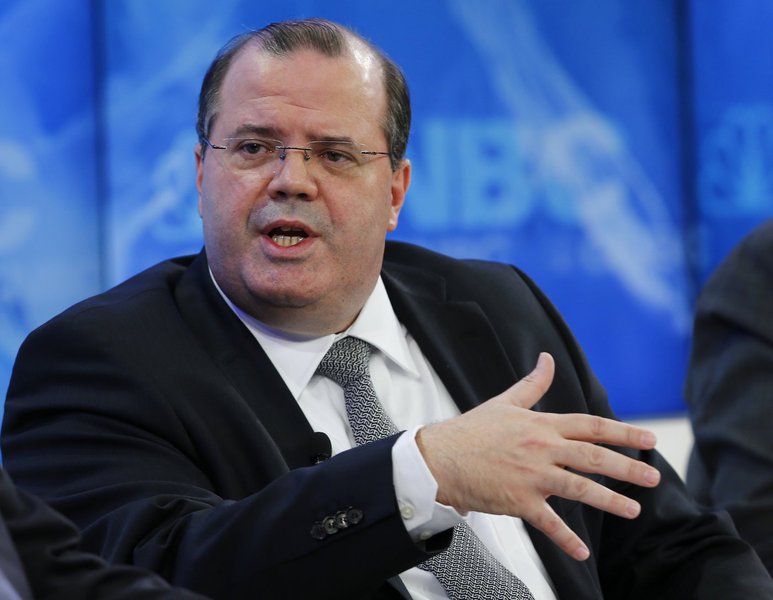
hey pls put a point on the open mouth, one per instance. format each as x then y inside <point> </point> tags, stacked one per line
<point>287,236</point>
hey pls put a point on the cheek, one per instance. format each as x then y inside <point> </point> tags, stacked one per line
<point>370,206</point>
<point>365,229</point>
<point>224,220</point>
<point>363,221</point>
<point>223,200</point>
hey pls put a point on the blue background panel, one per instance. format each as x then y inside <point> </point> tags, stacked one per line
<point>613,150</point>
<point>50,254</point>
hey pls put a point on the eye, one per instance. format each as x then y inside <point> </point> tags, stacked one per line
<point>254,147</point>
<point>336,155</point>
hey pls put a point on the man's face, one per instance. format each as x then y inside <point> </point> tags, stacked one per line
<point>336,223</point>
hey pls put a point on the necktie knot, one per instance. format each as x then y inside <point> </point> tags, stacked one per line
<point>348,364</point>
<point>347,361</point>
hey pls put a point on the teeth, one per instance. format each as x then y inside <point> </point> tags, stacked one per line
<point>286,240</point>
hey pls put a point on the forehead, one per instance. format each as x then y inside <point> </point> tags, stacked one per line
<point>304,93</point>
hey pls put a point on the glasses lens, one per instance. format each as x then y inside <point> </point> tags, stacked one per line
<point>256,155</point>
<point>246,154</point>
<point>336,155</point>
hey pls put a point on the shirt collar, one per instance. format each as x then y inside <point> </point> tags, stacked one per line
<point>297,359</point>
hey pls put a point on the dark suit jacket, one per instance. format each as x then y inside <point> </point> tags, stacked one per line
<point>151,417</point>
<point>729,391</point>
<point>40,557</point>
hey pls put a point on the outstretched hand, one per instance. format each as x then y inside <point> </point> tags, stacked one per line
<point>503,458</point>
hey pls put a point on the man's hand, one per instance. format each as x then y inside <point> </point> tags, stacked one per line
<point>503,458</point>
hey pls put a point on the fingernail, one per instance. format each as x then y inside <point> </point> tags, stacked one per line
<point>652,476</point>
<point>632,509</point>
<point>542,360</point>
<point>648,439</point>
<point>581,553</point>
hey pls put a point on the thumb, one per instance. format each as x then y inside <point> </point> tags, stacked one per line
<point>528,391</point>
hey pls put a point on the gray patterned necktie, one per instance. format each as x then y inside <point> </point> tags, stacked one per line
<point>466,570</point>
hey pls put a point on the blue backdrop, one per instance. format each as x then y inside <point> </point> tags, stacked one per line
<point>615,150</point>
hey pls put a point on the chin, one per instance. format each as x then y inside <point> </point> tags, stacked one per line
<point>288,299</point>
<point>282,288</point>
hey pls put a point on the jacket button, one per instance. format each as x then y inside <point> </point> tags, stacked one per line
<point>329,524</point>
<point>341,521</point>
<point>354,516</point>
<point>318,531</point>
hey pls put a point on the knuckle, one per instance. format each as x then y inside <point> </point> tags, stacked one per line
<point>615,503</point>
<point>538,419</point>
<point>515,500</point>
<point>633,437</point>
<point>576,487</point>
<point>619,505</point>
<point>549,523</point>
<point>597,426</point>
<point>595,457</point>
<point>535,441</point>
<point>636,471</point>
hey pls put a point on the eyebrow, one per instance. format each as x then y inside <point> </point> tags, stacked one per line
<point>251,129</point>
<point>254,130</point>
<point>334,138</point>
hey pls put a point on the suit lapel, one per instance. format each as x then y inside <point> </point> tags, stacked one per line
<point>456,337</point>
<point>244,363</point>
<point>464,349</point>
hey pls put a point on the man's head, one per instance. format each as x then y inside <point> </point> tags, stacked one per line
<point>300,172</point>
<point>327,38</point>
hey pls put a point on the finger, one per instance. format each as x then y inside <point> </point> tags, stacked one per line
<point>582,489</point>
<point>599,430</point>
<point>590,458</point>
<point>528,391</point>
<point>549,523</point>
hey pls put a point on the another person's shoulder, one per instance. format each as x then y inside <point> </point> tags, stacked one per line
<point>761,237</point>
<point>748,266</point>
<point>754,251</point>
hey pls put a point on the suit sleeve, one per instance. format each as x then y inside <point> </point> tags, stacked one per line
<point>196,493</point>
<point>729,390</point>
<point>48,547</point>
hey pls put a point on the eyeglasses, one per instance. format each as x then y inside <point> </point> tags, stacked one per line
<point>335,157</point>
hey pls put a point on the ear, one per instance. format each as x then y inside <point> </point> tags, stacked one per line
<point>197,150</point>
<point>401,180</point>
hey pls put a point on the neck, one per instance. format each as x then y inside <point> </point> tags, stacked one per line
<point>303,323</point>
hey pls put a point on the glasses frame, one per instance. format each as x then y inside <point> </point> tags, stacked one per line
<point>282,149</point>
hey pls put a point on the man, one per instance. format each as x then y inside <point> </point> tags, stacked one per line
<point>40,558</point>
<point>729,391</point>
<point>177,418</point>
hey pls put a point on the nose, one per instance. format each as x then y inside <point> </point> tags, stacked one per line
<point>292,177</point>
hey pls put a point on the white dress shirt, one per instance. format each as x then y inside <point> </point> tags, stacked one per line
<point>412,395</point>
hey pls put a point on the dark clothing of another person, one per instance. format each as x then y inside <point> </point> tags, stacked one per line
<point>40,558</point>
<point>730,391</point>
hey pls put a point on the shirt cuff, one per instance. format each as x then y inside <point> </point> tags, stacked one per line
<point>416,490</point>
